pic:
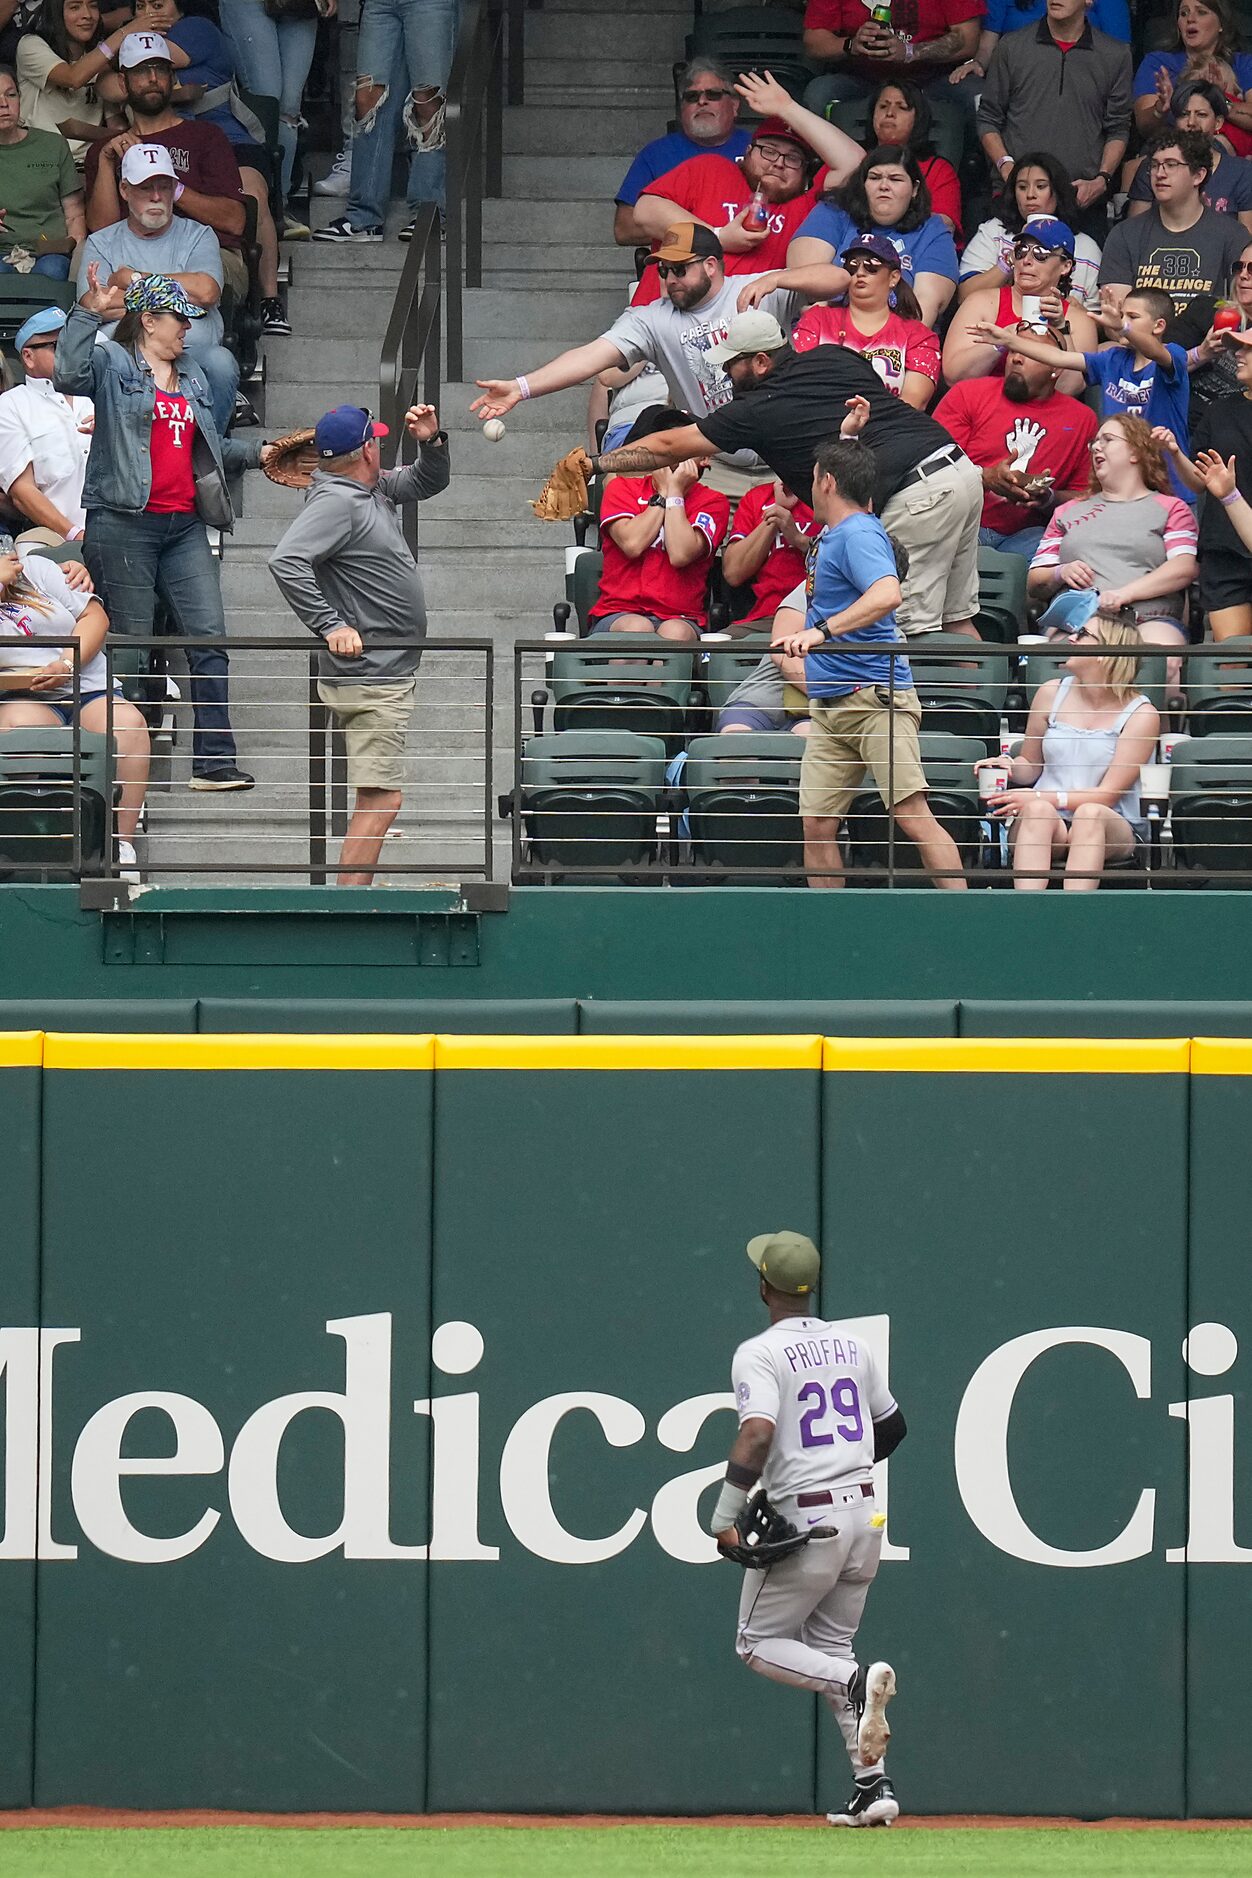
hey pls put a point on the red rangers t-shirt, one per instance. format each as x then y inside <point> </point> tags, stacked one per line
<point>897,347</point>
<point>651,583</point>
<point>921,20</point>
<point>783,567</point>
<point>714,190</point>
<point>1051,433</point>
<point>173,427</point>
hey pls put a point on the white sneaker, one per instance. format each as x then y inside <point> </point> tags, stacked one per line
<point>127,861</point>
<point>342,230</point>
<point>339,177</point>
<point>874,1731</point>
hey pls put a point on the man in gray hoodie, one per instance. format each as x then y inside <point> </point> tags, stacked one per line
<point>346,570</point>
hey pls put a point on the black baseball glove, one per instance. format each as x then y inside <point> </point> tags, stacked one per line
<point>765,1536</point>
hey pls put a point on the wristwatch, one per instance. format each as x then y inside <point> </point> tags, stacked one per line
<point>656,502</point>
<point>1106,178</point>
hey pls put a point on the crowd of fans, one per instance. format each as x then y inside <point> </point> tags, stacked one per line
<point>1026,233</point>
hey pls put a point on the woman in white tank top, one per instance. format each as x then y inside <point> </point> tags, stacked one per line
<point>1073,793</point>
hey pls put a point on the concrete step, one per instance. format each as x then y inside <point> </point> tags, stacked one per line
<point>538,312</point>
<point>558,217</point>
<point>558,412</point>
<point>471,524</point>
<point>549,130</point>
<point>598,36</point>
<point>554,178</point>
<point>515,579</point>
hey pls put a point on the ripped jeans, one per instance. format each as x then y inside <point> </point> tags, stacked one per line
<point>404,45</point>
<point>272,58</point>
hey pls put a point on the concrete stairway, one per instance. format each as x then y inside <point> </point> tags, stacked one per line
<point>552,278</point>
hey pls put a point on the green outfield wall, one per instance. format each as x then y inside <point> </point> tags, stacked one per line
<point>364,1398</point>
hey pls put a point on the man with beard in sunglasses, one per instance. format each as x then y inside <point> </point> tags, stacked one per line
<point>1029,440</point>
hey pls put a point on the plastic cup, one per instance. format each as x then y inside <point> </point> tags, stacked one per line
<point>1032,309</point>
<point>993,780</point>
<point>1167,748</point>
<point>1154,781</point>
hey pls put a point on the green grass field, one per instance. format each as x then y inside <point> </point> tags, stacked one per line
<point>620,1852</point>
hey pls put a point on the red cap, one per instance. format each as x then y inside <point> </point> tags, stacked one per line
<point>775,127</point>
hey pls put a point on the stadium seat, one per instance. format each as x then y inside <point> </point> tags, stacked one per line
<point>728,666</point>
<point>947,126</point>
<point>755,38</point>
<point>1219,691</point>
<point>589,801</point>
<point>964,697</point>
<point>1002,610</point>
<point>743,807</point>
<point>23,294</point>
<point>37,801</point>
<point>1038,667</point>
<point>624,681</point>
<point>949,765</point>
<point>1211,805</point>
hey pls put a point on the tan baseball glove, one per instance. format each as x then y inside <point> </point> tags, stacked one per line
<point>292,460</point>
<point>565,493</point>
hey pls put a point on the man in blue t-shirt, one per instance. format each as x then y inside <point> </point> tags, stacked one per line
<point>863,709</point>
<point>708,105</point>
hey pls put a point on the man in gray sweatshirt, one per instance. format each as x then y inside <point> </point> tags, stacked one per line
<point>346,570</point>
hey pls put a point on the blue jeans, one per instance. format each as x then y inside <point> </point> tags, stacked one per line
<point>51,266</point>
<point>404,45</point>
<point>1024,541</point>
<point>272,58</point>
<point>219,369</point>
<point>136,560</point>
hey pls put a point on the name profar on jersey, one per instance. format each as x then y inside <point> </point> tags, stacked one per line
<point>820,1385</point>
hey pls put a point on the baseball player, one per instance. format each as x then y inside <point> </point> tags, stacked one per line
<point>815,1413</point>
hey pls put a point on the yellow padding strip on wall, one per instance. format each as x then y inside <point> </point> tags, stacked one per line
<point>21,1049</point>
<point>628,1053</point>
<point>1221,1056</point>
<point>1012,1056</point>
<point>67,1050</point>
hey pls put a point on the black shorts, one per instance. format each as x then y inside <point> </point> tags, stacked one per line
<point>1225,579</point>
<point>253,156</point>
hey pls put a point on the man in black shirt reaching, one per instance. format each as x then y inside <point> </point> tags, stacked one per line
<point>786,405</point>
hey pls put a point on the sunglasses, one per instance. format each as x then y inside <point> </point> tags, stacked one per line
<point>863,264</point>
<point>1031,251</point>
<point>1243,267</point>
<point>1083,633</point>
<point>40,345</point>
<point>696,96</point>
<point>666,268</point>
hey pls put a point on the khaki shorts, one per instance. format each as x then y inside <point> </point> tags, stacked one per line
<point>235,272</point>
<point>373,719</point>
<point>937,518</point>
<point>849,736</point>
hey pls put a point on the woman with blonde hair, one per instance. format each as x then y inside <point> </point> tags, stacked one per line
<point>1073,791</point>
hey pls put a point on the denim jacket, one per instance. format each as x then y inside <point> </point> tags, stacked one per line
<point>119,468</point>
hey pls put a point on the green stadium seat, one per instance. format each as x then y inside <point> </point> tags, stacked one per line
<point>1210,799</point>
<point>1039,666</point>
<point>949,766</point>
<point>589,802</point>
<point>1002,610</point>
<point>963,697</point>
<point>1219,691</point>
<point>743,807</point>
<point>726,666</point>
<point>37,801</point>
<point>755,38</point>
<point>624,682</point>
<point>23,294</point>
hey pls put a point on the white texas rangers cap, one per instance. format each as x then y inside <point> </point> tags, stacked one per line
<point>787,1261</point>
<point>143,161</point>
<point>139,48</point>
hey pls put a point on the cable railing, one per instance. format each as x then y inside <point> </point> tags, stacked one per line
<point>65,792</point>
<point>623,774</point>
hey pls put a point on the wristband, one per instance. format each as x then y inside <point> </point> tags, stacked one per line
<point>675,502</point>
<point>731,1503</point>
<point>1001,161</point>
<point>1062,798</point>
<point>105,50</point>
<point>522,386</point>
<point>1226,501</point>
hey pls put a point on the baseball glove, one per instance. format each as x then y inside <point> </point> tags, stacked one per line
<point>292,460</point>
<point>565,493</point>
<point>765,1536</point>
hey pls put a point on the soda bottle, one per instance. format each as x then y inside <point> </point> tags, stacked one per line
<point>758,213</point>
<point>880,14</point>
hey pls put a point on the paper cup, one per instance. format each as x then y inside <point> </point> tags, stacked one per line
<point>1167,748</point>
<point>1154,781</point>
<point>993,780</point>
<point>1032,309</point>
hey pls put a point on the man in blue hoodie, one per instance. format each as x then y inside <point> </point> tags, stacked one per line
<point>345,569</point>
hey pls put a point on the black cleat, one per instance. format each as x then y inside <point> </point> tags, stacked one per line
<point>873,1803</point>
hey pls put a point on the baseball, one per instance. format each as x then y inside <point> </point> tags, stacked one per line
<point>493,429</point>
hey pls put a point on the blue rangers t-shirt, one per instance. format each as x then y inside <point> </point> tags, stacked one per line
<point>844,563</point>
<point>664,154</point>
<point>1157,395</point>
<point>929,249</point>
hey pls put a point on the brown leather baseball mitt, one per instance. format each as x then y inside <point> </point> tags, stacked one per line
<point>565,492</point>
<point>292,460</point>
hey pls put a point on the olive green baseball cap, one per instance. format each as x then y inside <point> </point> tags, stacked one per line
<point>786,1260</point>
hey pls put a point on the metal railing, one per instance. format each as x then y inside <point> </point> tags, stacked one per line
<point>427,315</point>
<point>287,825</point>
<point>647,804</point>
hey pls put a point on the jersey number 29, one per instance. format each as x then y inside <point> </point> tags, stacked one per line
<point>843,1401</point>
